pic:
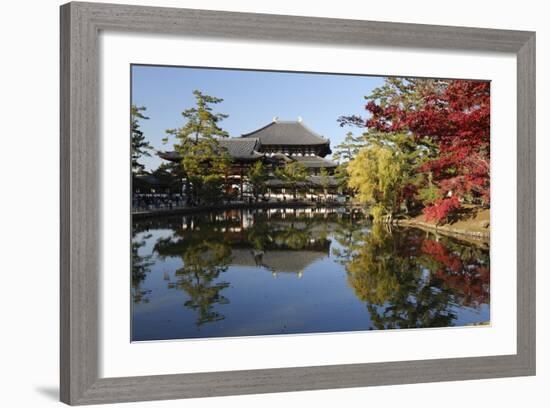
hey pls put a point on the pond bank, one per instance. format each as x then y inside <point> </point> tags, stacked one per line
<point>474,223</point>
<point>231,206</point>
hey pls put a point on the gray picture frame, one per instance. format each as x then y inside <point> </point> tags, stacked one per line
<point>80,237</point>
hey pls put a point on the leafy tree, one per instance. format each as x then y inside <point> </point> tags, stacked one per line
<point>257,177</point>
<point>458,122</point>
<point>325,181</point>
<point>377,176</point>
<point>169,174</point>
<point>394,96</point>
<point>347,150</point>
<point>429,193</point>
<point>205,163</point>
<point>341,174</point>
<point>344,153</point>
<point>400,93</point>
<point>293,174</point>
<point>140,146</point>
<point>200,120</point>
<point>452,120</point>
<point>165,171</point>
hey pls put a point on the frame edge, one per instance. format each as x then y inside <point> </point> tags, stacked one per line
<point>79,154</point>
<point>526,210</point>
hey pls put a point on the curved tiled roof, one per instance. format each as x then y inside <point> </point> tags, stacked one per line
<point>242,149</point>
<point>314,161</point>
<point>286,133</point>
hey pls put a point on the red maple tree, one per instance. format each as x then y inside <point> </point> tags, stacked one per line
<point>456,118</point>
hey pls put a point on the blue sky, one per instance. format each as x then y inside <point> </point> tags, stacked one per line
<point>251,99</point>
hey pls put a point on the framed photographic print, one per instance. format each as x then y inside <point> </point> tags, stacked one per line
<point>259,203</point>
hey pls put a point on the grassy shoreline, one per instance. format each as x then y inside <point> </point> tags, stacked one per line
<point>473,223</point>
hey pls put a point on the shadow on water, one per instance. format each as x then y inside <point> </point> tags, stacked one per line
<point>251,272</point>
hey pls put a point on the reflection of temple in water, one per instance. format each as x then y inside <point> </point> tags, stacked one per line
<point>282,261</point>
<point>312,248</point>
<point>278,240</point>
<point>244,219</point>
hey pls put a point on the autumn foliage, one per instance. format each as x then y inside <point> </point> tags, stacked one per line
<point>454,116</point>
<point>441,209</point>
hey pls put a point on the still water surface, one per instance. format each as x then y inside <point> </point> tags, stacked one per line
<point>264,272</point>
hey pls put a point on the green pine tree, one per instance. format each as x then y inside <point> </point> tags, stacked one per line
<point>140,146</point>
<point>257,176</point>
<point>293,174</point>
<point>205,164</point>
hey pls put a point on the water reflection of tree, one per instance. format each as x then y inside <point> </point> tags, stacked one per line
<point>348,233</point>
<point>204,244</point>
<point>293,237</point>
<point>406,284</point>
<point>259,236</point>
<point>464,268</point>
<point>141,265</point>
<point>203,262</point>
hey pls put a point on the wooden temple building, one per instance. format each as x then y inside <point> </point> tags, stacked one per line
<point>277,144</point>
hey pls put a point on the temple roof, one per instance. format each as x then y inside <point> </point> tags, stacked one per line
<point>241,149</point>
<point>314,161</point>
<point>286,133</point>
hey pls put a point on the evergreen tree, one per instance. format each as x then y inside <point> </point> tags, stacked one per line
<point>347,150</point>
<point>201,122</point>
<point>293,174</point>
<point>205,163</point>
<point>325,181</point>
<point>140,146</point>
<point>257,176</point>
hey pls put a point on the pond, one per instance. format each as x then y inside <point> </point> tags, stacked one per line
<point>289,271</point>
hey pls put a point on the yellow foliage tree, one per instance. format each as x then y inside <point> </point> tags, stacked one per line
<point>377,175</point>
